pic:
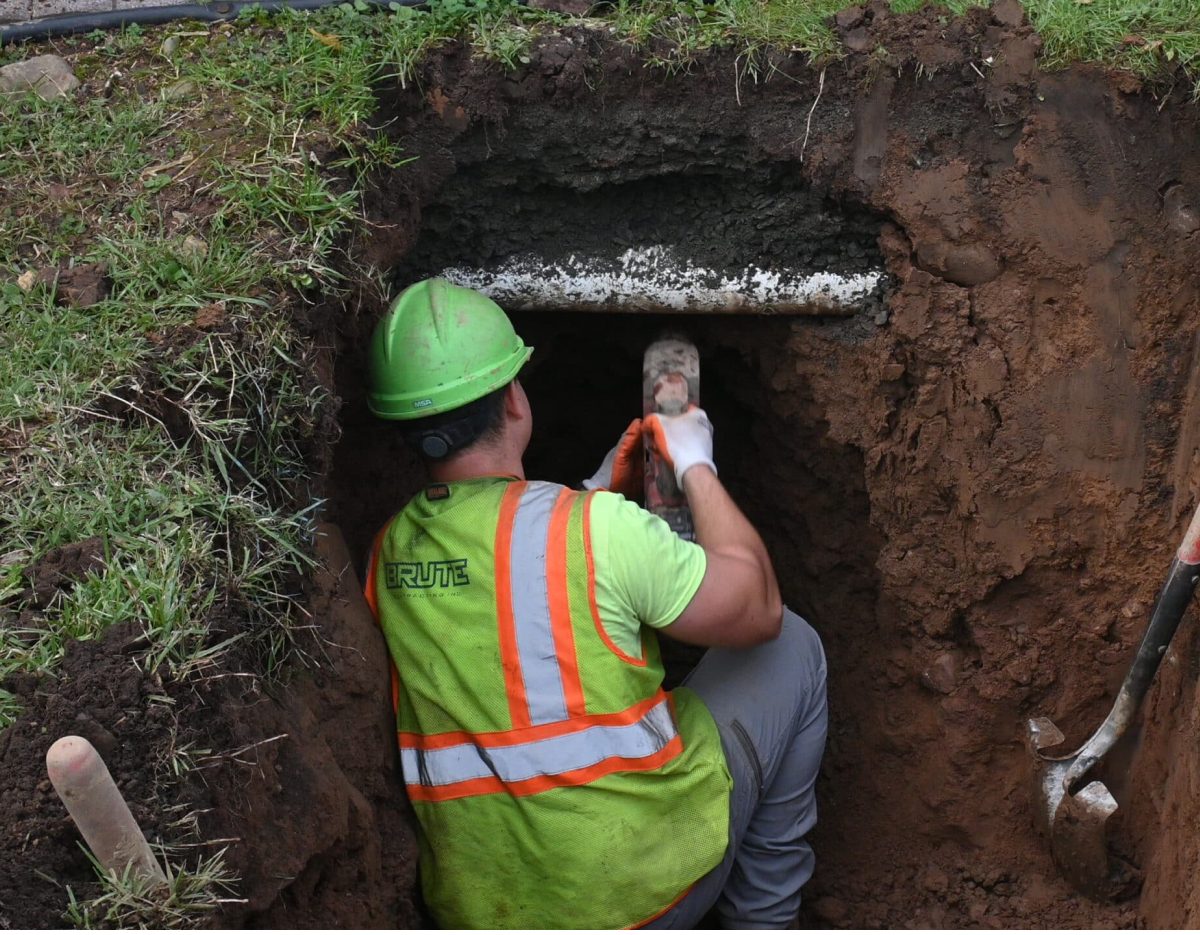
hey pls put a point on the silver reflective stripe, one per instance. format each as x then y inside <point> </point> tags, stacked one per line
<point>531,605</point>
<point>549,757</point>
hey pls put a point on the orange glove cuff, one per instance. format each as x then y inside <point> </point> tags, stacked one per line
<point>629,465</point>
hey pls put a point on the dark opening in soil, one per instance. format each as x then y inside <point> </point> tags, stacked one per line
<point>804,492</point>
<point>719,218</point>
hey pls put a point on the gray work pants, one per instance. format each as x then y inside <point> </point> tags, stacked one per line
<point>769,705</point>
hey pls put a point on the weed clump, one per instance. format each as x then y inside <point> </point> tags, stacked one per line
<point>128,901</point>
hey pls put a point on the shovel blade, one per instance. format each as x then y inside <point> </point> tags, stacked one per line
<point>1075,823</point>
<point>1046,773</point>
<point>1079,845</point>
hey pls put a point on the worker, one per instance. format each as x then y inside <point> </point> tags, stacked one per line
<point>555,783</point>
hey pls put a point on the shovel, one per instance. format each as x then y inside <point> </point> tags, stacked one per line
<point>1072,814</point>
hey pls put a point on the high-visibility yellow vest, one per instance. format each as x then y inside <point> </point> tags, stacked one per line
<point>555,784</point>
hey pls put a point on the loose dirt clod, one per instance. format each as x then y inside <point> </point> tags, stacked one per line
<point>211,316</point>
<point>64,565</point>
<point>78,286</point>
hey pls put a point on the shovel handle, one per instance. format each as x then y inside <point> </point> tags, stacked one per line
<point>1172,601</point>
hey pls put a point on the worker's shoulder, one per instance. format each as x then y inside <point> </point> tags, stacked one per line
<point>612,514</point>
<point>606,501</point>
<point>441,498</point>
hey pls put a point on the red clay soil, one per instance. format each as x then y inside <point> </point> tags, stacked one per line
<point>972,492</point>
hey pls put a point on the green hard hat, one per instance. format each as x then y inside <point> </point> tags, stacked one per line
<point>439,347</point>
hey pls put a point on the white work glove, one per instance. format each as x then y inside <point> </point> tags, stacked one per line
<point>681,441</point>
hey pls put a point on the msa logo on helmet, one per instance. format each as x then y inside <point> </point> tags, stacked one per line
<point>423,404</point>
<point>425,575</point>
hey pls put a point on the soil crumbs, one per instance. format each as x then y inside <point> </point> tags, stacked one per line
<point>131,720</point>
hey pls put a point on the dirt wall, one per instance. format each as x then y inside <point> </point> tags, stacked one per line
<point>973,496</point>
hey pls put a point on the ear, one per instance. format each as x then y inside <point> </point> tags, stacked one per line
<point>514,401</point>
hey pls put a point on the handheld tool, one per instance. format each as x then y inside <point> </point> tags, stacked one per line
<point>1073,815</point>
<point>670,385</point>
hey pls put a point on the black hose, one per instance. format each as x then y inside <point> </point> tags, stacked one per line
<point>150,16</point>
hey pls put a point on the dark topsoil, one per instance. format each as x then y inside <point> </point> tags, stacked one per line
<point>297,781</point>
<point>716,218</point>
<point>972,497</point>
<point>129,719</point>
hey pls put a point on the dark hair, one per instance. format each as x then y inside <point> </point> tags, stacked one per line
<point>439,436</point>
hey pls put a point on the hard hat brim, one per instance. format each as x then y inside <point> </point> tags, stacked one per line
<point>448,396</point>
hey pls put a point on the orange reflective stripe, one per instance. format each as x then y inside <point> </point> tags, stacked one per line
<point>577,777</point>
<point>510,657</point>
<point>560,605</point>
<point>591,589</point>
<point>373,601</point>
<point>662,912</point>
<point>505,738</point>
<point>372,561</point>
<point>569,758</point>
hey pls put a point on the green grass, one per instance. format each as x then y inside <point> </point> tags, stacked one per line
<point>1143,36</point>
<point>181,449</point>
<point>1140,35</point>
<point>679,31</point>
<point>225,172</point>
<point>9,709</point>
<point>952,7</point>
<point>129,902</point>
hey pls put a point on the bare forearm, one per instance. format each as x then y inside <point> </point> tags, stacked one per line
<point>717,518</point>
<point>722,528</point>
<point>737,603</point>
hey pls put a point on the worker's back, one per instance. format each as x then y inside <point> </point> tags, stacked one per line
<point>555,784</point>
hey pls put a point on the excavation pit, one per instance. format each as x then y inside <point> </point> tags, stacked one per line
<point>970,472</point>
<point>915,457</point>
